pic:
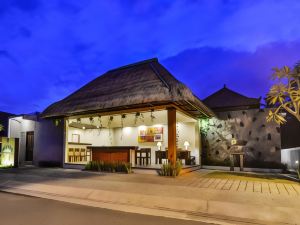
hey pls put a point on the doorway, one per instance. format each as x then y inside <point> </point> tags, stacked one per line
<point>29,146</point>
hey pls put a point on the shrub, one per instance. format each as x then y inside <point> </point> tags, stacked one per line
<point>249,164</point>
<point>214,162</point>
<point>169,170</point>
<point>108,166</point>
<point>265,164</point>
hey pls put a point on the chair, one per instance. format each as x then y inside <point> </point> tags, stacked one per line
<point>71,157</point>
<point>77,154</point>
<point>82,154</point>
<point>88,155</point>
<point>143,156</point>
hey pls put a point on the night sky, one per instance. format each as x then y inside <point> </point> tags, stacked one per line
<point>50,48</point>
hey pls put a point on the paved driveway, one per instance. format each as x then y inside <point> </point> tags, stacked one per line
<point>188,196</point>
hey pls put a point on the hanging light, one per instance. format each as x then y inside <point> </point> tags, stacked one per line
<point>152,116</point>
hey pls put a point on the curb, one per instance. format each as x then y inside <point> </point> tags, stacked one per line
<point>197,210</point>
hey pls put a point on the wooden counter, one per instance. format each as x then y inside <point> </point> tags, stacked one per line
<point>112,153</point>
<point>76,143</point>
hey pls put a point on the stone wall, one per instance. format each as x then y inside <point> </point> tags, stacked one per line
<point>262,139</point>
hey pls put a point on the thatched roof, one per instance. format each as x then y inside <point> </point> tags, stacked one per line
<point>143,84</point>
<point>226,100</point>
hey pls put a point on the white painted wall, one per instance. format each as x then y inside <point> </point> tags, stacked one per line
<point>95,137</point>
<point>48,139</point>
<point>129,136</point>
<point>189,131</point>
<point>17,128</point>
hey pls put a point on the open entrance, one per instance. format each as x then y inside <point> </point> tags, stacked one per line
<point>29,145</point>
<point>139,138</point>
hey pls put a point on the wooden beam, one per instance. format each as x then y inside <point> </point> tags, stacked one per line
<point>172,135</point>
<point>124,111</point>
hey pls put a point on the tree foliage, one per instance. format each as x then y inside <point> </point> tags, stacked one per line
<point>285,94</point>
<point>1,127</point>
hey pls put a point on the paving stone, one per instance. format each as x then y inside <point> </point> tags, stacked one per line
<point>221,184</point>
<point>215,183</point>
<point>228,184</point>
<point>296,187</point>
<point>235,185</point>
<point>290,189</point>
<point>257,187</point>
<point>265,188</point>
<point>249,187</point>
<point>282,189</point>
<point>242,186</point>
<point>208,183</point>
<point>273,188</point>
<point>202,181</point>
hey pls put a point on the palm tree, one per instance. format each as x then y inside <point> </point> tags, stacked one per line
<point>285,94</point>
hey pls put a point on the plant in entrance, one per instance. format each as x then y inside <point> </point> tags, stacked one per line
<point>168,170</point>
<point>113,167</point>
<point>285,94</point>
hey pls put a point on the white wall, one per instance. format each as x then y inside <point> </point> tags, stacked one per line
<point>95,137</point>
<point>129,136</point>
<point>189,132</point>
<point>17,129</point>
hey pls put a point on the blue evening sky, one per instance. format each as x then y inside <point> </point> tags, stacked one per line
<point>50,48</point>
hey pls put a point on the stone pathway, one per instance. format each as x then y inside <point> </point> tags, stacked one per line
<point>237,185</point>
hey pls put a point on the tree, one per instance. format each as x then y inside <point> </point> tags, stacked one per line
<point>1,127</point>
<point>285,94</point>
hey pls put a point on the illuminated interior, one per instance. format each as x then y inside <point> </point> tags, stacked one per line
<point>143,129</point>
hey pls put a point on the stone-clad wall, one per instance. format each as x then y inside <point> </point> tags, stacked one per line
<point>263,139</point>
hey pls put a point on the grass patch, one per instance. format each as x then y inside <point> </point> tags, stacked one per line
<point>249,177</point>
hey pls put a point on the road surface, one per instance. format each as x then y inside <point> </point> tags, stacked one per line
<point>23,210</point>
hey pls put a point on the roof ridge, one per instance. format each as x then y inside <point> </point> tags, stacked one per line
<point>228,89</point>
<point>134,64</point>
<point>159,76</point>
<point>235,92</point>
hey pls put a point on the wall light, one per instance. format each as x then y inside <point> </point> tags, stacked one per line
<point>83,128</point>
<point>143,127</point>
<point>127,130</point>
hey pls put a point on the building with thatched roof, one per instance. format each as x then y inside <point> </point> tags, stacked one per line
<point>139,113</point>
<point>140,85</point>
<point>226,99</point>
<point>240,119</point>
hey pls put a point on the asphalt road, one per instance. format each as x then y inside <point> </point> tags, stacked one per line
<point>23,210</point>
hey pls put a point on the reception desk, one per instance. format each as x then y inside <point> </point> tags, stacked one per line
<point>113,153</point>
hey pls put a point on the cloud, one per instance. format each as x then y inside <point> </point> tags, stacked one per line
<point>51,48</point>
<point>206,69</point>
